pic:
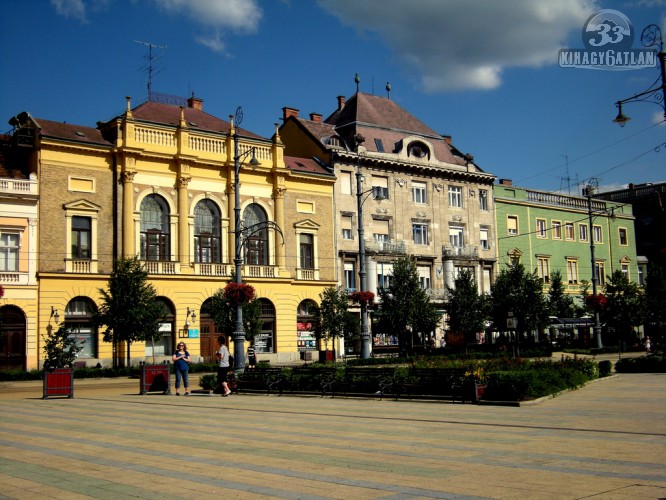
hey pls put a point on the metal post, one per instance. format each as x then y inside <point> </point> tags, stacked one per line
<point>239,333</point>
<point>597,323</point>
<point>365,333</point>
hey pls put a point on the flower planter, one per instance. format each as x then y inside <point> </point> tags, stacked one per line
<point>155,378</point>
<point>58,382</point>
<point>479,392</point>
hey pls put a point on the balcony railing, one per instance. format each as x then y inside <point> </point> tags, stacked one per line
<point>19,186</point>
<point>81,266</point>
<point>212,269</point>
<point>307,274</point>
<point>259,271</point>
<point>7,278</point>
<point>437,293</point>
<point>395,247</point>
<point>161,267</point>
<point>465,252</point>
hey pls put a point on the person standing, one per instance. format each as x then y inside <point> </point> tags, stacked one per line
<point>181,365</point>
<point>223,365</point>
<point>251,356</point>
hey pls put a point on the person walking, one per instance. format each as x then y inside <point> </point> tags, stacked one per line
<point>223,365</point>
<point>251,356</point>
<point>181,365</point>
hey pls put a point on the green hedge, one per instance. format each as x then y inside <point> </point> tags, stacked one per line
<point>650,363</point>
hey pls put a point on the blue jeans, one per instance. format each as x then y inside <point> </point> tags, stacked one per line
<point>184,374</point>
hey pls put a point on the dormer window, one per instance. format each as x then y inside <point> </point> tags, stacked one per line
<point>334,141</point>
<point>418,150</point>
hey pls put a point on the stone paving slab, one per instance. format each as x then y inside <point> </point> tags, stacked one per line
<point>606,440</point>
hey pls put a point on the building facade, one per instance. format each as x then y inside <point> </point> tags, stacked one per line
<point>158,182</point>
<point>549,232</point>
<point>418,194</point>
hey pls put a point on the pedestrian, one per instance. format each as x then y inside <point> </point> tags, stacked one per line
<point>648,345</point>
<point>181,365</point>
<point>223,365</point>
<point>251,356</point>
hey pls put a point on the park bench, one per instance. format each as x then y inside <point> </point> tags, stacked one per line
<point>369,380</point>
<point>435,382</point>
<point>262,379</point>
<point>310,379</point>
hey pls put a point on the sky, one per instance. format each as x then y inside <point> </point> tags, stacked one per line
<point>482,71</point>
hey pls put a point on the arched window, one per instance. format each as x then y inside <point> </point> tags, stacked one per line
<point>418,149</point>
<point>12,338</point>
<point>207,232</point>
<point>256,246</point>
<point>264,341</point>
<point>79,318</point>
<point>154,228</point>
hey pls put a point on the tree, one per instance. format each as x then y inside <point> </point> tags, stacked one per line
<point>60,348</point>
<point>655,298</point>
<point>331,318</point>
<point>520,293</point>
<point>560,304</point>
<point>624,307</point>
<point>222,310</point>
<point>405,307</point>
<point>468,311</point>
<point>129,310</point>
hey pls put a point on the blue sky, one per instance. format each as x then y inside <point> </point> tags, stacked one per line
<point>483,71</point>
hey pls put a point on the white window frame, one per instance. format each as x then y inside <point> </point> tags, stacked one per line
<point>420,233</point>
<point>419,192</point>
<point>455,197</point>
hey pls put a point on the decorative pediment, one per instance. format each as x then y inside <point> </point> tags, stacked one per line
<point>308,224</point>
<point>515,252</point>
<point>82,205</point>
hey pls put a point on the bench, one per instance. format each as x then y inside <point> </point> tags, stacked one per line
<point>370,380</point>
<point>310,379</point>
<point>261,379</point>
<point>436,382</point>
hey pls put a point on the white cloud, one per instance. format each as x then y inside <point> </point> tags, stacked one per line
<point>75,9</point>
<point>458,44</point>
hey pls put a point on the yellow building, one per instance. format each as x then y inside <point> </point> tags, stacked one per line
<point>158,182</point>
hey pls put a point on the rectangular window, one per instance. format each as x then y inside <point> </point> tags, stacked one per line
<point>420,233</point>
<point>483,199</point>
<point>622,232</point>
<point>557,230</point>
<point>346,182</point>
<point>347,230</point>
<point>457,236</point>
<point>307,251</point>
<point>569,231</point>
<point>541,228</point>
<point>597,234</point>
<point>81,237</point>
<point>419,192</point>
<point>582,232</point>
<point>424,276</point>
<point>572,271</point>
<point>86,338</point>
<point>625,270</point>
<point>543,268</point>
<point>512,225</point>
<point>601,273</point>
<point>483,238</point>
<point>380,230</point>
<point>379,145</point>
<point>455,196</point>
<point>384,275</point>
<point>641,275</point>
<point>9,252</point>
<point>380,187</point>
<point>350,277</point>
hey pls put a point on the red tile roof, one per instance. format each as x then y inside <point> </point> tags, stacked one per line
<point>70,132</point>
<point>305,165</point>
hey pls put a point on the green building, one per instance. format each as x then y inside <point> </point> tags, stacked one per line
<point>548,232</point>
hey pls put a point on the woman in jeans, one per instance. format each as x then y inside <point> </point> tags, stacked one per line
<point>181,365</point>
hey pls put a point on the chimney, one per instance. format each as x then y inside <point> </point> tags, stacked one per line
<point>447,139</point>
<point>341,102</point>
<point>315,117</point>
<point>287,112</point>
<point>195,103</point>
<point>505,182</point>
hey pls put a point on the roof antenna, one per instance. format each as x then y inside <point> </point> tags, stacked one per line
<point>388,90</point>
<point>357,80</point>
<point>150,67</point>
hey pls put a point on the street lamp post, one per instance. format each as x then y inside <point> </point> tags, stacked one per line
<point>588,192</point>
<point>239,331</point>
<point>365,332</point>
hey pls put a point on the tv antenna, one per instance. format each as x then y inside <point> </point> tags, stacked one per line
<point>567,179</point>
<point>152,59</point>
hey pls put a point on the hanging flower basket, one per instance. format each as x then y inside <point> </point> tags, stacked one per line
<point>239,293</point>
<point>362,298</point>
<point>596,302</point>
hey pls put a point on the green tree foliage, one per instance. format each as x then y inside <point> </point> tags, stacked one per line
<point>624,306</point>
<point>521,293</point>
<point>468,311</point>
<point>129,309</point>
<point>60,348</point>
<point>655,300</point>
<point>560,304</point>
<point>405,307</point>
<point>332,319</point>
<point>223,313</point>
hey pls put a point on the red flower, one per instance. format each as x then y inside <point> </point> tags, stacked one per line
<point>596,302</point>
<point>239,293</point>
<point>362,297</point>
<point>2,291</point>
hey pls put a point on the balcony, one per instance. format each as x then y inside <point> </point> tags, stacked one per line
<point>19,187</point>
<point>253,271</point>
<point>212,269</point>
<point>462,253</point>
<point>80,266</point>
<point>437,294</point>
<point>161,267</point>
<point>393,247</point>
<point>9,278</point>
<point>307,274</point>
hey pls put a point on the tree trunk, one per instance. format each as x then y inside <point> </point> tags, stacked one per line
<point>128,353</point>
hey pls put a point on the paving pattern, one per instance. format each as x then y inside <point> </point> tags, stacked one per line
<point>606,440</point>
